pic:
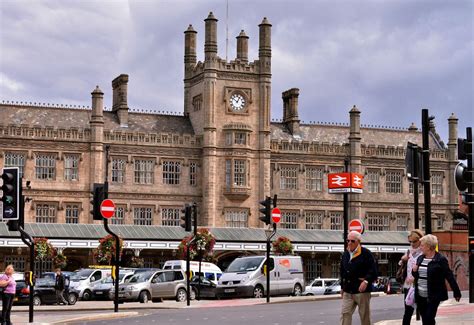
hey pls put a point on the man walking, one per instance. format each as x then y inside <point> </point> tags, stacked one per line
<point>358,271</point>
<point>59,287</point>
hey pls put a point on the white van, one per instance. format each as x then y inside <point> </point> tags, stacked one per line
<point>83,281</point>
<point>245,277</point>
<point>209,270</point>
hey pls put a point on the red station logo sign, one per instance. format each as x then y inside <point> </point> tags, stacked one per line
<point>345,183</point>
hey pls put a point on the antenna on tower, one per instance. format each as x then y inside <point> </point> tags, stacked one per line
<point>226,30</point>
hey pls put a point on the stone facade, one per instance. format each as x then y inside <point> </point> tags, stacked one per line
<point>224,153</point>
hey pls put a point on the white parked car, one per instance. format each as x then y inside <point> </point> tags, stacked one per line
<point>319,286</point>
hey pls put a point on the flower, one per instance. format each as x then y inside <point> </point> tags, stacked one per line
<point>43,249</point>
<point>60,261</point>
<point>282,246</point>
<point>105,252</point>
<point>202,244</point>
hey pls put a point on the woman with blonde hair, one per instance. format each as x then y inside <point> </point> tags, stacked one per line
<point>431,273</point>
<point>409,260</point>
<point>9,284</point>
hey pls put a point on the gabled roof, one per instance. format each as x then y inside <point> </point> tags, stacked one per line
<point>66,118</point>
<point>332,133</point>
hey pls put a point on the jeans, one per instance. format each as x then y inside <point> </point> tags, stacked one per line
<point>60,297</point>
<point>7,302</point>
<point>428,310</point>
<point>408,309</point>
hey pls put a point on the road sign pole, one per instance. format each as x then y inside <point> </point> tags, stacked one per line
<point>470,203</point>
<point>346,207</point>
<point>425,127</point>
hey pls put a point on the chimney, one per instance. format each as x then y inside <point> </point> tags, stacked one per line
<point>242,47</point>
<point>119,101</point>
<point>210,38</point>
<point>290,110</point>
<point>189,49</point>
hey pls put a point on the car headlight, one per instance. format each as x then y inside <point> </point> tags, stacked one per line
<point>132,288</point>
<point>245,279</point>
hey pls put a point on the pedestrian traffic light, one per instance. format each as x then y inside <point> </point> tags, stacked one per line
<point>186,218</point>
<point>29,278</point>
<point>98,195</point>
<point>460,177</point>
<point>266,210</point>
<point>11,194</point>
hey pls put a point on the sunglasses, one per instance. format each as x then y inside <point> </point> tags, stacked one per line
<point>351,241</point>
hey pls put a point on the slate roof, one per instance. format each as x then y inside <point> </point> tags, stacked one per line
<point>340,134</point>
<point>65,118</point>
<point>132,232</point>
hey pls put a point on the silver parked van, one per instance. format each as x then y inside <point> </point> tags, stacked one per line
<point>83,281</point>
<point>245,277</point>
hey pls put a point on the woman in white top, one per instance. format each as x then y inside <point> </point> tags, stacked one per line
<point>410,258</point>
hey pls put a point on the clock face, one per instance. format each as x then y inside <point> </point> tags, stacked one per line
<point>237,102</point>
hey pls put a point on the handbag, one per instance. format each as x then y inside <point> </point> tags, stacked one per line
<point>410,299</point>
<point>402,271</point>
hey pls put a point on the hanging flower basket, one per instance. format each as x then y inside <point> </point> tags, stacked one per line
<point>282,246</point>
<point>60,261</point>
<point>203,243</point>
<point>43,249</point>
<point>136,261</point>
<point>106,250</point>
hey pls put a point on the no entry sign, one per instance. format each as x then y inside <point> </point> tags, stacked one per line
<point>276,215</point>
<point>356,225</point>
<point>107,208</point>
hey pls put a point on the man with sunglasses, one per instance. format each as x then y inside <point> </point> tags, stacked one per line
<point>358,271</point>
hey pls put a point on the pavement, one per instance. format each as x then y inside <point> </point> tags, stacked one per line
<point>449,312</point>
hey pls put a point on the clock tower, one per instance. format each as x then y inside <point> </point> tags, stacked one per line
<point>228,104</point>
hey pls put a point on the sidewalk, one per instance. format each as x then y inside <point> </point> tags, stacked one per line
<point>449,312</point>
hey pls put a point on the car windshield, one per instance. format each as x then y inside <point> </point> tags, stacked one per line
<point>81,275</point>
<point>141,277</point>
<point>245,264</point>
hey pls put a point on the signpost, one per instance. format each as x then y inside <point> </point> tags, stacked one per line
<point>346,183</point>
<point>107,208</point>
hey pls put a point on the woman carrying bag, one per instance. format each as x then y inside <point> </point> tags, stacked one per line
<point>431,273</point>
<point>408,261</point>
<point>9,284</point>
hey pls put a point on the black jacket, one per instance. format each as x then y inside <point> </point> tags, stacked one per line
<point>360,267</point>
<point>59,284</point>
<point>438,272</point>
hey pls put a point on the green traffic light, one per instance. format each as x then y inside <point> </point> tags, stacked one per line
<point>8,199</point>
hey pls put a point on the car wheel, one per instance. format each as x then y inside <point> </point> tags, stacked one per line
<point>72,298</point>
<point>193,294</point>
<point>297,290</point>
<point>87,295</point>
<point>144,297</point>
<point>36,301</point>
<point>181,295</point>
<point>258,292</point>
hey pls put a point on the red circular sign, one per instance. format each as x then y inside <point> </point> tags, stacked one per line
<point>356,225</point>
<point>107,208</point>
<point>276,215</point>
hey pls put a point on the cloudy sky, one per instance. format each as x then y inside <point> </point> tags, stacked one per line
<point>390,58</point>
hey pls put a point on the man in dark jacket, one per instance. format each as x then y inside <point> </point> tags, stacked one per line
<point>358,271</point>
<point>59,287</point>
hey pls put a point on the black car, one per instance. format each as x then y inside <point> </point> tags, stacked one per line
<point>205,289</point>
<point>22,294</point>
<point>46,294</point>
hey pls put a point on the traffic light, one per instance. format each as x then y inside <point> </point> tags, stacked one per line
<point>98,195</point>
<point>462,143</point>
<point>266,210</point>
<point>29,278</point>
<point>186,218</point>
<point>11,194</point>
<point>460,177</point>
